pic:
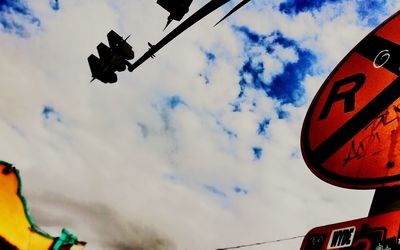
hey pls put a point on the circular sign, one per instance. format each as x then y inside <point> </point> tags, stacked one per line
<point>351,133</point>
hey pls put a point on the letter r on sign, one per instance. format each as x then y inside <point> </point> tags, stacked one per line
<point>348,96</point>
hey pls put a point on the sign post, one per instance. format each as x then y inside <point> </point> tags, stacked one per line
<point>385,200</point>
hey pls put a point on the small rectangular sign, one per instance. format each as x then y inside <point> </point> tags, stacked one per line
<point>379,232</point>
<point>341,238</point>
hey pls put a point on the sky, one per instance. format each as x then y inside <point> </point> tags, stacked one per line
<point>198,148</point>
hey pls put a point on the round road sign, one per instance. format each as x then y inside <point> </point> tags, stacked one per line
<point>351,134</point>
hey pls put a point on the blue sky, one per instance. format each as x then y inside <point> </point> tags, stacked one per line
<point>16,17</point>
<point>201,140</point>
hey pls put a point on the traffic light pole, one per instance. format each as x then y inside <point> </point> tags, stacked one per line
<point>385,200</point>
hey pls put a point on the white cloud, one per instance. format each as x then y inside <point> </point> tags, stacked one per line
<point>99,163</point>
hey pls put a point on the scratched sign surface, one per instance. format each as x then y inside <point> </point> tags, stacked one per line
<point>351,133</point>
<point>372,233</point>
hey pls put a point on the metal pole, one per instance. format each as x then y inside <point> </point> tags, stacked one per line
<point>385,200</point>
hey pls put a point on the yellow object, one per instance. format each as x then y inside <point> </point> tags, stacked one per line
<point>17,229</point>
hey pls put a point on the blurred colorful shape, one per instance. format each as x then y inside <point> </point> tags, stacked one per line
<point>17,229</point>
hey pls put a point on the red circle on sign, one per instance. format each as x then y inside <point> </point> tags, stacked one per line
<point>351,133</point>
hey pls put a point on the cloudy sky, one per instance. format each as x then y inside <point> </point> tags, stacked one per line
<point>198,148</point>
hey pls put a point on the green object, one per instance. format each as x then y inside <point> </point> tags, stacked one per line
<point>66,238</point>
